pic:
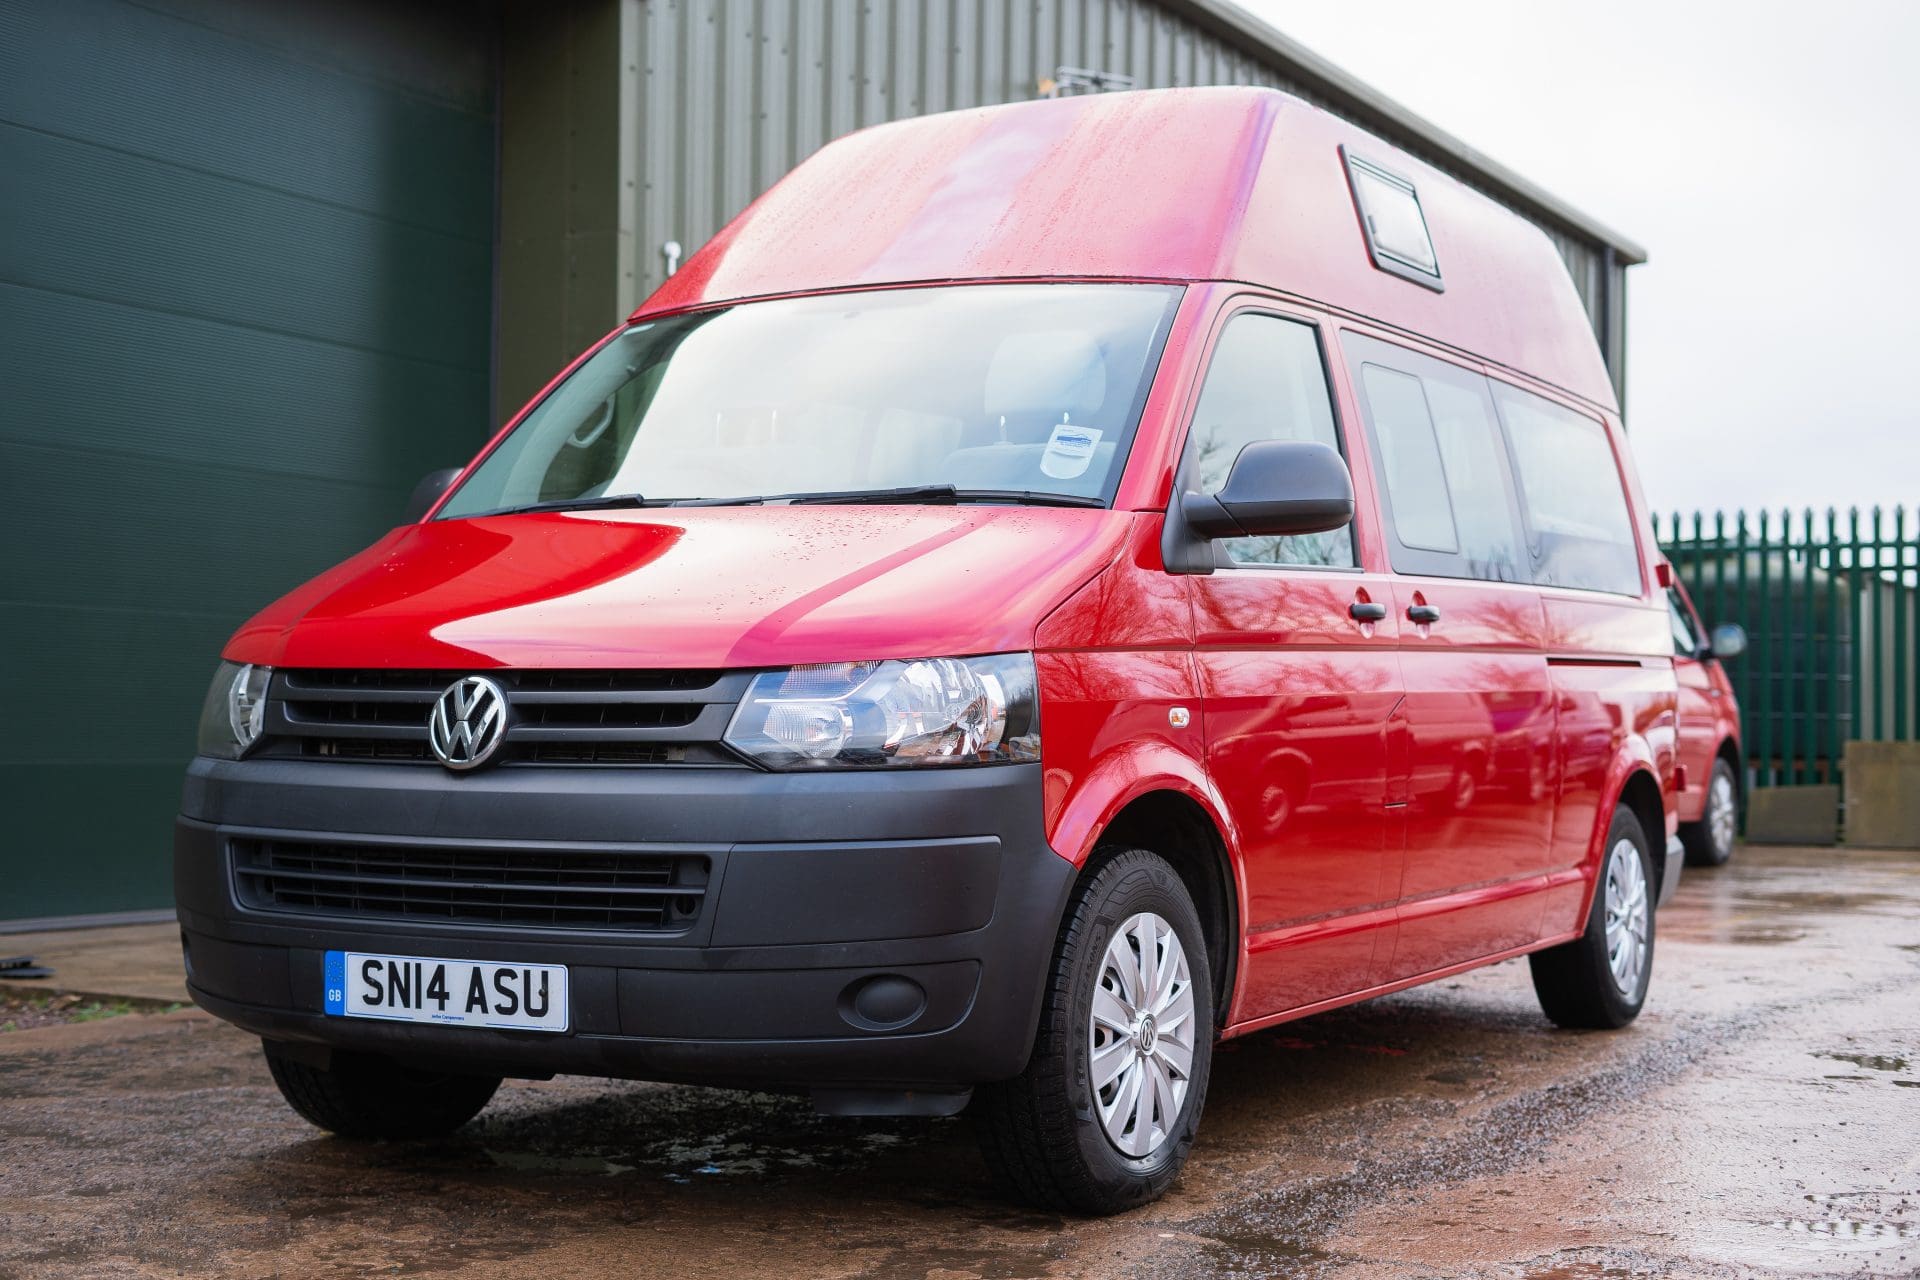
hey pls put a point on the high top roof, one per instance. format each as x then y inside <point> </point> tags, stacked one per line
<point>1238,184</point>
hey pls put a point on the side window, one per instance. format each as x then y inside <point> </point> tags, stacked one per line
<point>1576,508</point>
<point>1449,498</point>
<point>1410,457</point>
<point>1266,382</point>
<point>1685,643</point>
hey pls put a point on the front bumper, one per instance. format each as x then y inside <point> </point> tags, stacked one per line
<point>819,882</point>
<point>1671,867</point>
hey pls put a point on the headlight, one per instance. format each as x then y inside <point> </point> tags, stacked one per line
<point>235,710</point>
<point>867,715</point>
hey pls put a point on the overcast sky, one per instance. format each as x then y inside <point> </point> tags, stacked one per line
<point>1764,155</point>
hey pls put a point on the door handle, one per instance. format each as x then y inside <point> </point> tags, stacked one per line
<point>1366,611</point>
<point>1422,613</point>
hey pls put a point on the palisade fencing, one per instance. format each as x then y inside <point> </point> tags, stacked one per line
<point>1829,607</point>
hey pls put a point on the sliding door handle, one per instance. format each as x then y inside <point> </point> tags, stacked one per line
<point>1366,611</point>
<point>1422,613</point>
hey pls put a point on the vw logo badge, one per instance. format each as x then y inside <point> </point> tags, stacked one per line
<point>468,723</point>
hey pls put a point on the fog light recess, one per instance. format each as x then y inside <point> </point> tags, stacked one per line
<point>882,1002</point>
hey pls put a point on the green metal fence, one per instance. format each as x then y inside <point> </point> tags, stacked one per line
<point>1829,607</point>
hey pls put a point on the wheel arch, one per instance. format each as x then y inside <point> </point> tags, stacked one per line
<point>1729,750</point>
<point>1180,829</point>
<point>1640,793</point>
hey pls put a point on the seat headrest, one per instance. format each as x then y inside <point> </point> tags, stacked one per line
<point>1052,372</point>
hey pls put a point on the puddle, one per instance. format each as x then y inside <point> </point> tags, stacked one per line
<point>1765,936</point>
<point>1251,1254</point>
<point>731,1156</point>
<point>1828,903</point>
<point>1464,1073</point>
<point>711,1156</point>
<point>1845,1234</point>
<point>1844,1227</point>
<point>692,1136</point>
<point>536,1162</point>
<point>1738,935</point>
<point>1871,1061</point>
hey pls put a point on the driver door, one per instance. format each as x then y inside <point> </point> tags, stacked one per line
<point>1299,677</point>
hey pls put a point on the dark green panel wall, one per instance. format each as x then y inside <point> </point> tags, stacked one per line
<point>246,299</point>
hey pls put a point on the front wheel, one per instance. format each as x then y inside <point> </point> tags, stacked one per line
<point>1600,979</point>
<point>361,1096</point>
<point>1105,1113</point>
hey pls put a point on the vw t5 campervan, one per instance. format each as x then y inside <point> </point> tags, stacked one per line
<point>1045,589</point>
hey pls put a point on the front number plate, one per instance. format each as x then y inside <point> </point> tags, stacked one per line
<point>459,993</point>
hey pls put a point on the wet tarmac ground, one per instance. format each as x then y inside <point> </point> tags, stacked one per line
<point>1762,1118</point>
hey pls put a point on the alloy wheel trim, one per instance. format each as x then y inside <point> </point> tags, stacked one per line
<point>1140,1035</point>
<point>1721,816</point>
<point>1628,918</point>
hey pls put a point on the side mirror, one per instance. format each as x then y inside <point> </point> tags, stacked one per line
<point>1276,487</point>
<point>1729,640</point>
<point>428,492</point>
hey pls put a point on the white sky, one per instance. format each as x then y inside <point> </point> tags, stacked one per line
<point>1763,153</point>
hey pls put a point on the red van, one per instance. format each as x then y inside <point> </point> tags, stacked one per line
<point>1046,588</point>
<point>1709,810</point>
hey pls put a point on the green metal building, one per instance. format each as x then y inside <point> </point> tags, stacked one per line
<point>265,262</point>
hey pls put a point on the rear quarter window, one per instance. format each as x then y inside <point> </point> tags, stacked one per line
<point>1571,495</point>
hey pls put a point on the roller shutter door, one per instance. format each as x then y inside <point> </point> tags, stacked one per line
<point>246,261</point>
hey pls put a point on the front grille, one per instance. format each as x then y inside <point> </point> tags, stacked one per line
<point>608,718</point>
<point>523,888</point>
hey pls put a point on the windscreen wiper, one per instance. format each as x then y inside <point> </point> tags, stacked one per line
<point>1030,497</point>
<point>919,494</point>
<point>606,501</point>
<point>939,494</point>
<point>912,493</point>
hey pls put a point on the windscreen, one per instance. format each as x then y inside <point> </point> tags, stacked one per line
<point>995,390</point>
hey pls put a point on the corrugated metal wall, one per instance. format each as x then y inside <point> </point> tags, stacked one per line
<point>733,93</point>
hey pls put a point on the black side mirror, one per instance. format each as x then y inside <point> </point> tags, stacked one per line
<point>1276,487</point>
<point>428,492</point>
<point>1729,640</point>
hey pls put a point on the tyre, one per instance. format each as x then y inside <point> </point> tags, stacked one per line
<point>360,1096</point>
<point>1600,979</point>
<point>1709,841</point>
<point>1103,1116</point>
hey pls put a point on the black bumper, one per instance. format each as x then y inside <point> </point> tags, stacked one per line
<point>818,883</point>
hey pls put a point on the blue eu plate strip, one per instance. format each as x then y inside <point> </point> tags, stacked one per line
<point>336,982</point>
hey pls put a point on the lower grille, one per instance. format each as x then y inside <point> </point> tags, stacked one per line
<point>521,888</point>
<point>413,752</point>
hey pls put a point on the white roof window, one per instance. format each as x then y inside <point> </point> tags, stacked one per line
<point>1395,228</point>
